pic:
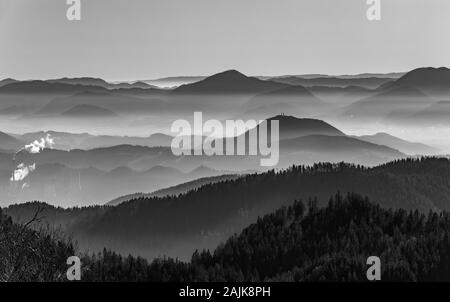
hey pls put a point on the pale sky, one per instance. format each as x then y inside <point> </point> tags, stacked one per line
<point>145,39</point>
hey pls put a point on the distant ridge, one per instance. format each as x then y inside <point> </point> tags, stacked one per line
<point>175,190</point>
<point>85,110</point>
<point>7,81</point>
<point>8,142</point>
<point>229,82</point>
<point>171,82</point>
<point>46,87</point>
<point>392,103</point>
<point>108,99</point>
<point>427,79</point>
<point>369,82</point>
<point>80,81</point>
<point>410,148</point>
<point>87,81</point>
<point>291,127</point>
<point>392,75</point>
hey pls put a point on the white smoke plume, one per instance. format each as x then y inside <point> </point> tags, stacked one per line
<point>22,171</point>
<point>39,145</point>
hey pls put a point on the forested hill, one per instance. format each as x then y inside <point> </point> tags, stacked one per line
<point>202,218</point>
<point>299,243</point>
<point>31,256</point>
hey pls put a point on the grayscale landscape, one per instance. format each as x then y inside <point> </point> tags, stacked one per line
<point>88,166</point>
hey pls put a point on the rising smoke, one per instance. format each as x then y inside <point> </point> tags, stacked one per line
<point>23,170</point>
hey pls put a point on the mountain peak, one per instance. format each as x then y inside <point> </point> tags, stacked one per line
<point>427,71</point>
<point>382,134</point>
<point>427,78</point>
<point>229,76</point>
<point>229,82</point>
<point>291,126</point>
<point>8,80</point>
<point>232,73</point>
<point>283,117</point>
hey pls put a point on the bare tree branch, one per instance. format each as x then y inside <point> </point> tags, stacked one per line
<point>20,246</point>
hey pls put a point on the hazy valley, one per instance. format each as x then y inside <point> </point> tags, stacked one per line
<point>111,179</point>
